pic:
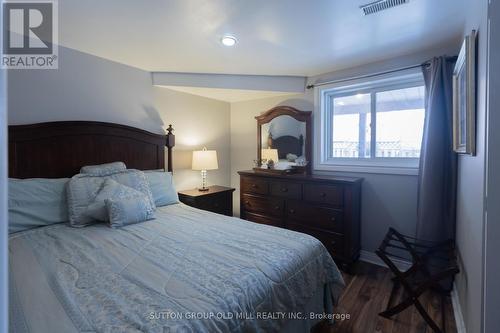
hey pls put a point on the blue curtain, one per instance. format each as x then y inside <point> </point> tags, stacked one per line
<point>437,183</point>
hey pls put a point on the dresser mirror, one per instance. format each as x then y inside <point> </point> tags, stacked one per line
<point>284,140</point>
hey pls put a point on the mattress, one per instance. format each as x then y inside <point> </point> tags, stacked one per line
<point>186,271</point>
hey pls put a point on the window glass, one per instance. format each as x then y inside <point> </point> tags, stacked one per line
<point>400,122</point>
<point>351,126</point>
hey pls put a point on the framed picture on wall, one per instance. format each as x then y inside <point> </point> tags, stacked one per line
<point>464,98</point>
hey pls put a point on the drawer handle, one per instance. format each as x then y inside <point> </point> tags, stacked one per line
<point>277,207</point>
<point>323,194</point>
<point>292,211</point>
<point>254,185</point>
<point>284,189</point>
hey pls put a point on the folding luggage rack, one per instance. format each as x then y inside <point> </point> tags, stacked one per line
<point>433,267</point>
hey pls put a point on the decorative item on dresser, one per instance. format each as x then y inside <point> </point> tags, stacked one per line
<point>217,199</point>
<point>325,207</point>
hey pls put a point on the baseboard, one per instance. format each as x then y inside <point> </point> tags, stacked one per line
<point>372,258</point>
<point>457,310</point>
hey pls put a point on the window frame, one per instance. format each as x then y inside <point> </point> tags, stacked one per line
<point>324,95</point>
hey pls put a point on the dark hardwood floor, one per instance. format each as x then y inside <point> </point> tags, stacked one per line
<point>366,294</point>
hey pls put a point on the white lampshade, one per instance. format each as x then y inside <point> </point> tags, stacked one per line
<point>205,160</point>
<point>269,154</point>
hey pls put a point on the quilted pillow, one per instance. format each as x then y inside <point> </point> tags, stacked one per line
<point>103,169</point>
<point>162,187</point>
<point>111,190</point>
<point>83,189</point>
<point>128,211</point>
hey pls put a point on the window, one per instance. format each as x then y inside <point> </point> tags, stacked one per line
<point>372,126</point>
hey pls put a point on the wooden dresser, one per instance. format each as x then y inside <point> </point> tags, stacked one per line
<point>325,207</point>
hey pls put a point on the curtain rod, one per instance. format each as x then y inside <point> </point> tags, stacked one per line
<point>367,75</point>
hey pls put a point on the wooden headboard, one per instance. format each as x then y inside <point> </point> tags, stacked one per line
<point>288,144</point>
<point>60,149</point>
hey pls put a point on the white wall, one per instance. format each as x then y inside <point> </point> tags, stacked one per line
<point>86,87</point>
<point>471,189</point>
<point>199,122</point>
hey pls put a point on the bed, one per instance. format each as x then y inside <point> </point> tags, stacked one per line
<point>185,271</point>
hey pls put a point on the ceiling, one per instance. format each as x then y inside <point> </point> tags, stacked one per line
<point>278,37</point>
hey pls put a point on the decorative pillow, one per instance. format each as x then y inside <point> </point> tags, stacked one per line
<point>135,179</point>
<point>162,187</point>
<point>110,190</point>
<point>128,211</point>
<point>36,202</point>
<point>83,189</point>
<point>103,169</point>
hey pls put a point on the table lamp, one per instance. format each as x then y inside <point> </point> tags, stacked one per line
<point>204,160</point>
<point>269,154</point>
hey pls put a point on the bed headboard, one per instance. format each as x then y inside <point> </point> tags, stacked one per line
<point>60,149</point>
<point>288,144</point>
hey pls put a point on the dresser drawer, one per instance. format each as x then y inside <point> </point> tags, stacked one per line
<point>313,216</point>
<point>325,194</point>
<point>333,242</point>
<point>254,185</point>
<point>286,190</point>
<point>265,205</point>
<point>264,220</point>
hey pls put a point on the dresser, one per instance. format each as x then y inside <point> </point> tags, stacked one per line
<point>325,207</point>
<point>218,199</point>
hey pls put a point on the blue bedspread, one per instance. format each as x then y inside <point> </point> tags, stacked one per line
<point>186,271</point>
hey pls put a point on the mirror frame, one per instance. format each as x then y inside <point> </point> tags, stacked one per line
<point>302,116</point>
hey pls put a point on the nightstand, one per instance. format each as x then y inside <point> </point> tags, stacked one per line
<point>217,199</point>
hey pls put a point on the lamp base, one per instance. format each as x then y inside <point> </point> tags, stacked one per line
<point>203,187</point>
